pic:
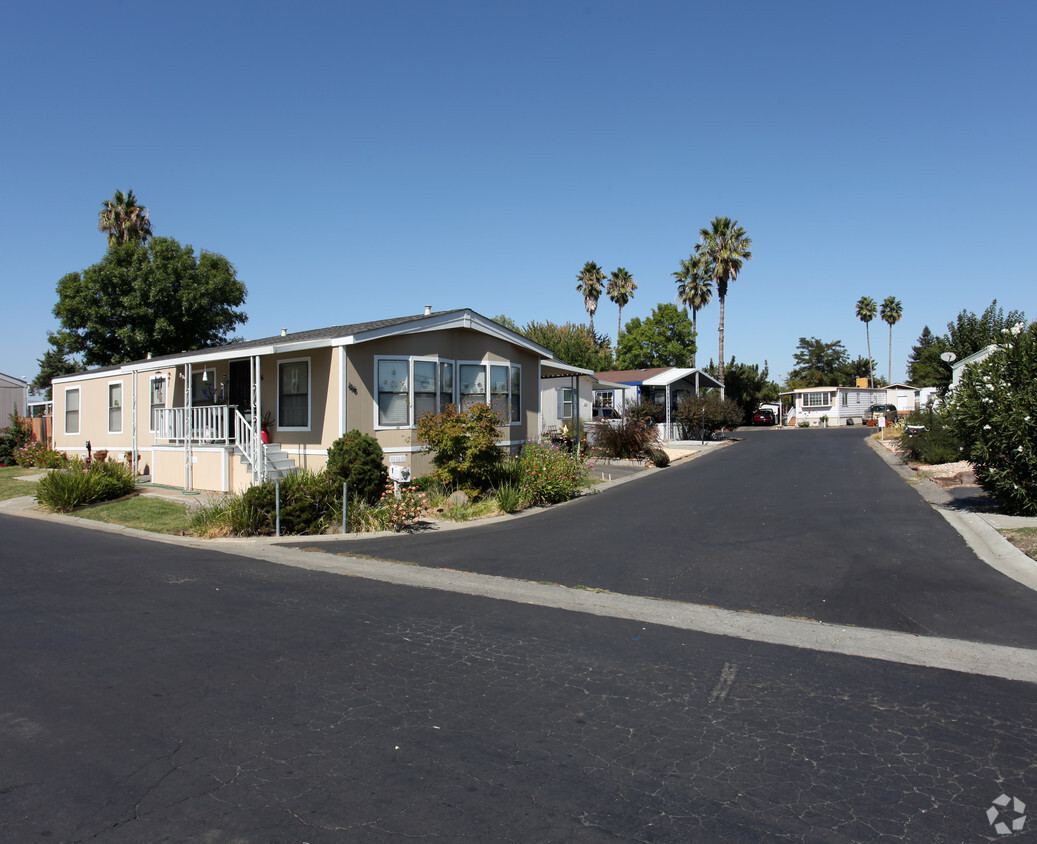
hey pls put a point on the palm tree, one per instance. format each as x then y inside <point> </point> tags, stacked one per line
<point>724,246</point>
<point>891,313</point>
<point>124,220</point>
<point>866,312</point>
<point>590,278</point>
<point>621,290</point>
<point>694,290</point>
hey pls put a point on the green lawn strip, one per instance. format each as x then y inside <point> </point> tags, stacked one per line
<point>11,487</point>
<point>142,512</point>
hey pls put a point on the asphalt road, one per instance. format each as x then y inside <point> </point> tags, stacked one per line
<point>807,524</point>
<point>156,693</point>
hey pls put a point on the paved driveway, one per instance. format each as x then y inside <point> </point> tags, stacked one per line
<point>809,524</point>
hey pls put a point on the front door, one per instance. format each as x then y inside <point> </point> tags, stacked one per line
<point>239,390</point>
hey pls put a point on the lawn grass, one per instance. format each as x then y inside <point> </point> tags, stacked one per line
<point>142,512</point>
<point>11,487</point>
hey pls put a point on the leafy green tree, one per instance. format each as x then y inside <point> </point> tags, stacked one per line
<point>464,446</point>
<point>591,279</point>
<point>993,413</point>
<point>157,298</point>
<point>867,310</point>
<point>123,220</point>
<point>859,367</point>
<point>570,343</point>
<point>694,411</point>
<point>620,290</point>
<point>819,364</point>
<point>356,459</point>
<point>666,338</point>
<point>725,247</point>
<point>891,313</point>
<point>747,385</point>
<point>970,333</point>
<point>925,368</point>
<point>54,363</point>
<point>694,289</point>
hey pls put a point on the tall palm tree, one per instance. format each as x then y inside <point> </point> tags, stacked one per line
<point>866,312</point>
<point>694,290</point>
<point>891,313</point>
<point>621,290</point>
<point>124,220</point>
<point>725,247</point>
<point>591,278</point>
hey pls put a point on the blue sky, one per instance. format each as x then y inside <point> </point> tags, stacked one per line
<point>359,161</point>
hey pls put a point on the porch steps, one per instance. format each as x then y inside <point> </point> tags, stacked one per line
<point>278,463</point>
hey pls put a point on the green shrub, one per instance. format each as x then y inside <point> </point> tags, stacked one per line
<point>310,504</point>
<point>464,446</point>
<point>12,438</point>
<point>73,486</point>
<point>934,443</point>
<point>628,438</point>
<point>659,458</point>
<point>993,412</point>
<point>549,474</point>
<point>707,409</point>
<point>509,496</point>
<point>357,460</point>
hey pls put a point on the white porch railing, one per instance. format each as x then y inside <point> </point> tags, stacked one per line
<point>207,424</point>
<point>250,446</point>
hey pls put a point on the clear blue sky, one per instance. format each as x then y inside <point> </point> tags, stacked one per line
<point>359,161</point>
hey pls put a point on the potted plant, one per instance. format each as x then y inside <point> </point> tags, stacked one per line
<point>264,432</point>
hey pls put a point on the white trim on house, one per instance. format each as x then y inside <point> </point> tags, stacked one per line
<point>122,403</point>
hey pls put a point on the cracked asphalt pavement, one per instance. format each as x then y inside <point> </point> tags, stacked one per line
<point>156,692</point>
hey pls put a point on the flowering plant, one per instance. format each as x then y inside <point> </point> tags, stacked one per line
<point>549,474</point>
<point>404,510</point>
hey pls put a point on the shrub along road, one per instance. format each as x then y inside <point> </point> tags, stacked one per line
<point>806,524</point>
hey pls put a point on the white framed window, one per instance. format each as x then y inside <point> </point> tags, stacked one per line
<point>293,394</point>
<point>157,400</point>
<point>203,386</point>
<point>472,387</point>
<point>115,407</point>
<point>410,387</point>
<point>846,399</point>
<point>516,394</point>
<point>498,384</point>
<point>72,410</point>
<point>604,398</point>
<point>565,403</point>
<point>817,399</point>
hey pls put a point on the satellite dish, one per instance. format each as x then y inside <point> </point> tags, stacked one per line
<point>948,357</point>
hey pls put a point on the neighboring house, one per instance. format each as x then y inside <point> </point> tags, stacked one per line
<point>903,397</point>
<point>664,386</point>
<point>195,419</point>
<point>831,406</point>
<point>14,396</point>
<point>574,395</point>
<point>958,367</point>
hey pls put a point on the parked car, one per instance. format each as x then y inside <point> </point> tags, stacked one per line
<point>605,413</point>
<point>763,416</point>
<point>887,410</point>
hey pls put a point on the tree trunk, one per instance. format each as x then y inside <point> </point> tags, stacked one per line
<point>871,365</point>
<point>720,367</point>
<point>889,373</point>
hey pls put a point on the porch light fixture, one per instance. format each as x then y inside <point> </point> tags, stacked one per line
<point>205,375</point>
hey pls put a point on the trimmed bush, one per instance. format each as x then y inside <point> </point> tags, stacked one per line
<point>73,486</point>
<point>993,412</point>
<point>357,460</point>
<point>311,502</point>
<point>707,408</point>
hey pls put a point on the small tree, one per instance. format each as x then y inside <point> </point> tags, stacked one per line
<point>708,410</point>
<point>357,460</point>
<point>464,446</point>
<point>994,414</point>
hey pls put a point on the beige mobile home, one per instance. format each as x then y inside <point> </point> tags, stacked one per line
<point>202,419</point>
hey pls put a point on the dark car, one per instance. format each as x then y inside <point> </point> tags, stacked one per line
<point>887,410</point>
<point>763,416</point>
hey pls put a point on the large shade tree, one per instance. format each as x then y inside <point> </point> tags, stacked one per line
<point>591,279</point>
<point>123,220</point>
<point>891,313</point>
<point>570,343</point>
<point>867,310</point>
<point>620,290</point>
<point>159,298</point>
<point>694,289</point>
<point>725,247</point>
<point>663,339</point>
